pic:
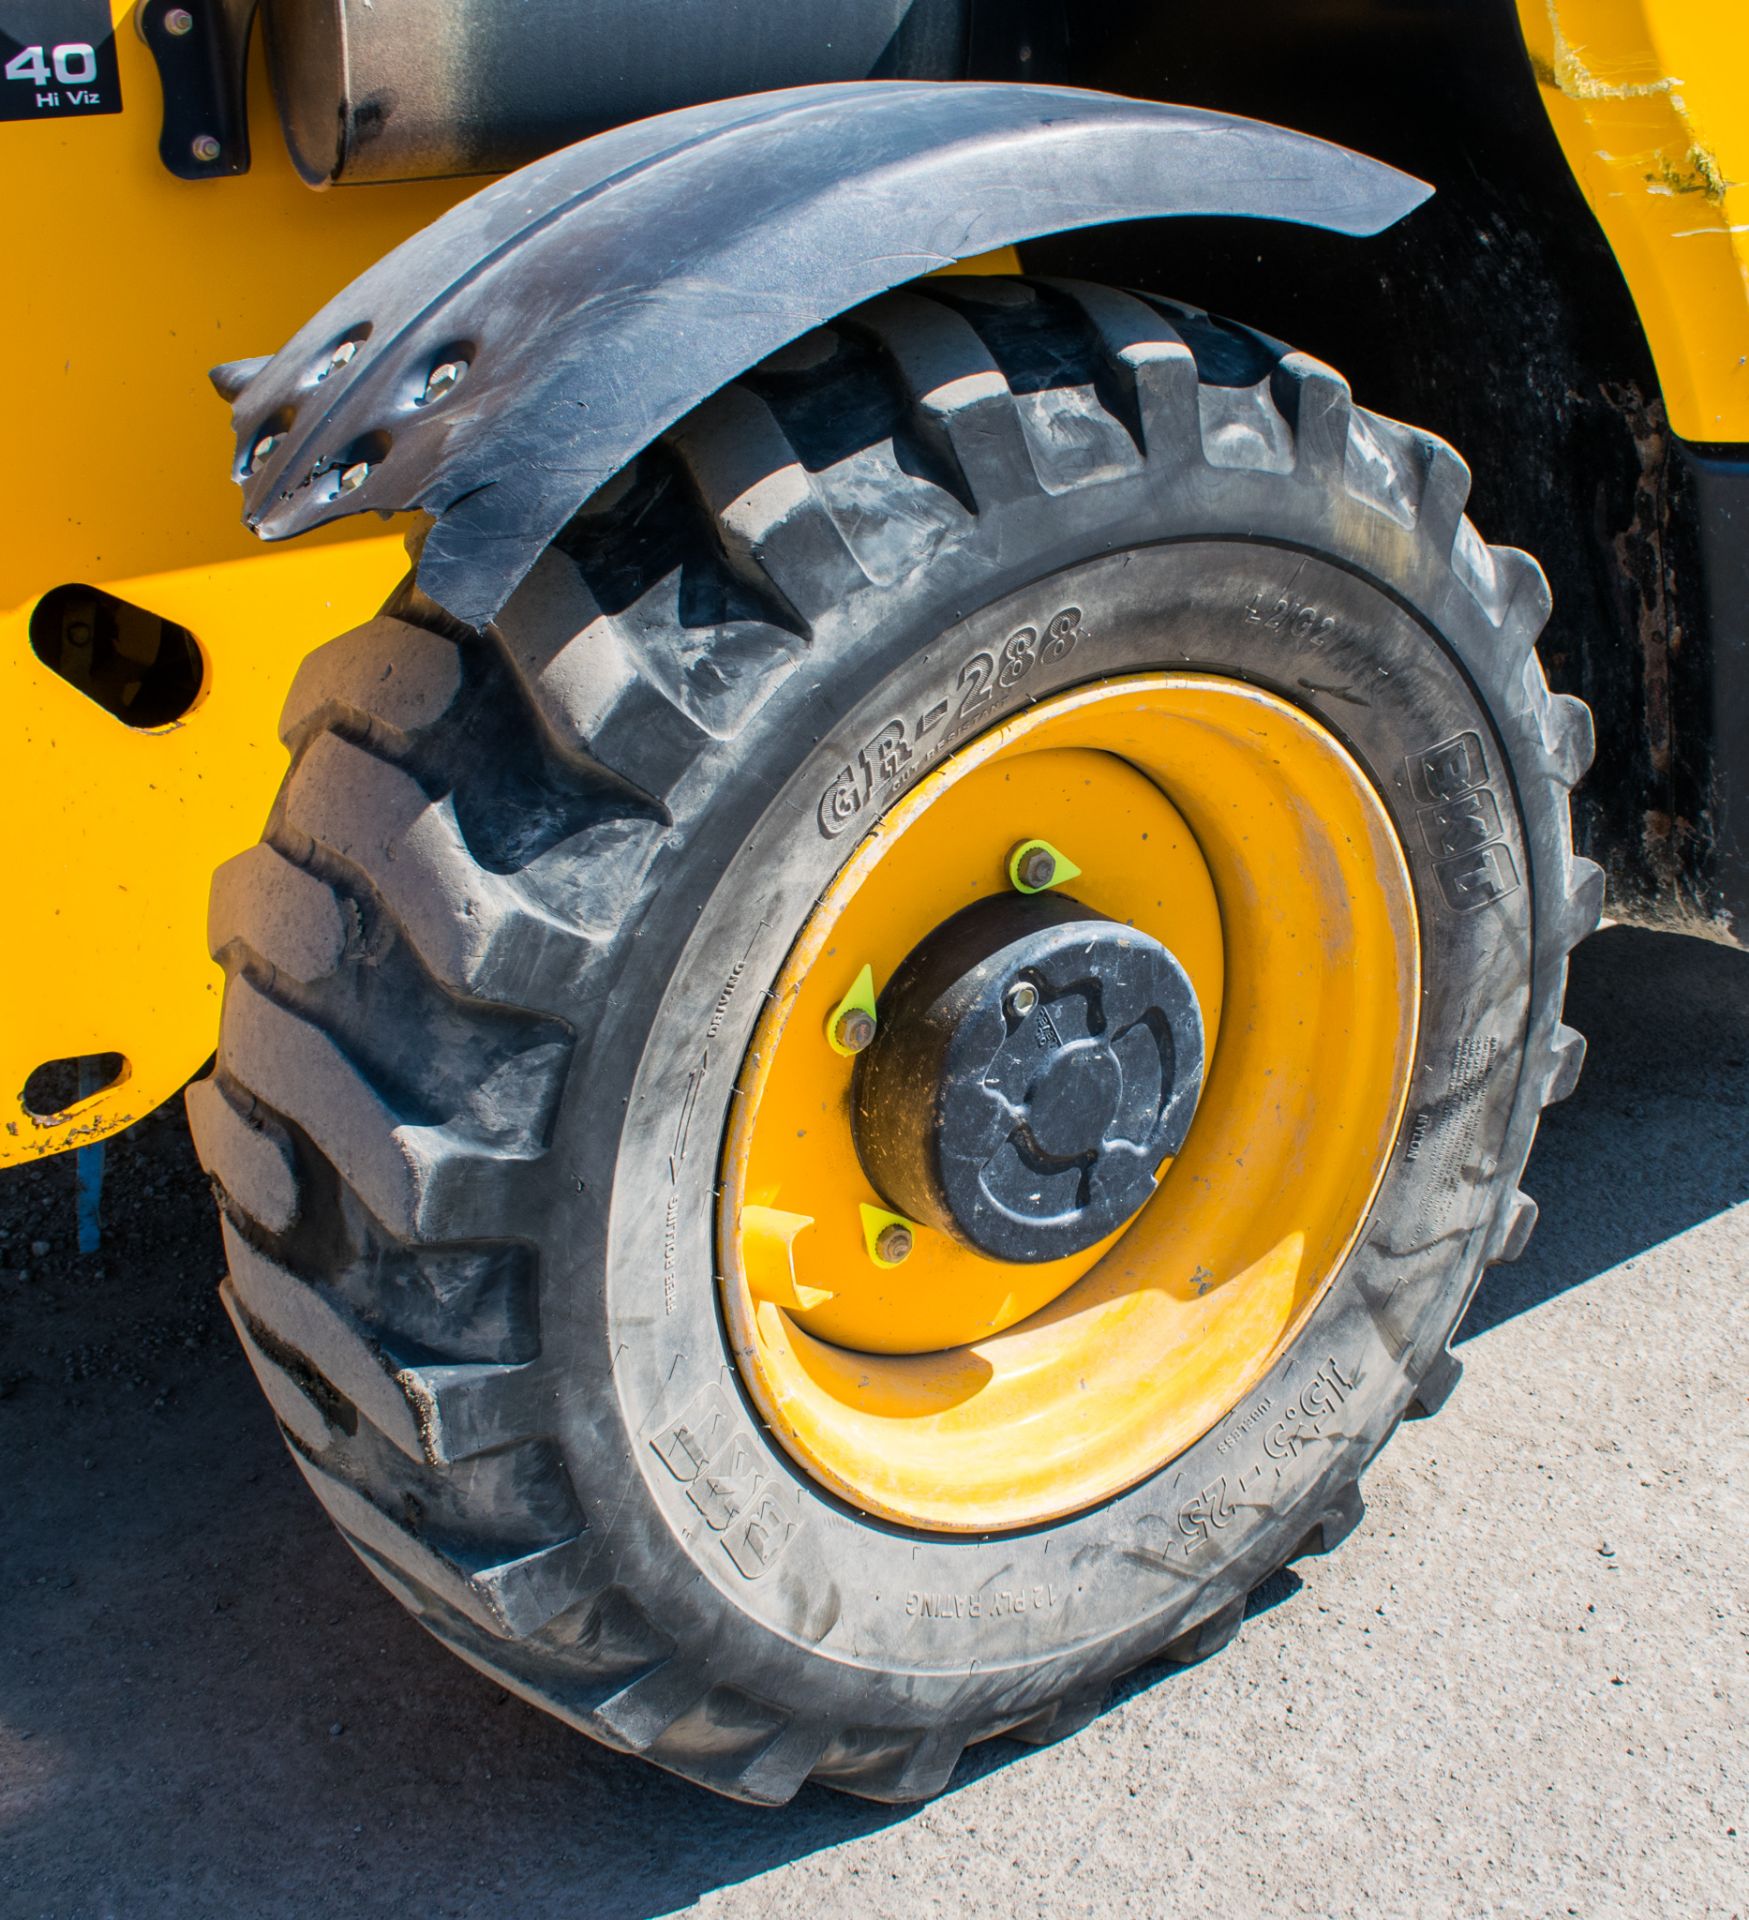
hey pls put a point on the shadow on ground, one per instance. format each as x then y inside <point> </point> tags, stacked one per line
<point>206,1706</point>
<point>1655,1139</point>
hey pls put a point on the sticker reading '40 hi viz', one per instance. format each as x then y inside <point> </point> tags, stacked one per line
<point>57,58</point>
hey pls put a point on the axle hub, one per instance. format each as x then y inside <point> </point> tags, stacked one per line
<point>1033,1065</point>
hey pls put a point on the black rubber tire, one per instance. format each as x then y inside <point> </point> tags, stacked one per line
<point>493,970</point>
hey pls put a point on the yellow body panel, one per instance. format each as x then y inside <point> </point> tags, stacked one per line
<point>128,284</point>
<point>1650,101</point>
<point>115,474</point>
<point>125,285</point>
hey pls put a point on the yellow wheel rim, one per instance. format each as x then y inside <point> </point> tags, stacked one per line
<point>956,1392</point>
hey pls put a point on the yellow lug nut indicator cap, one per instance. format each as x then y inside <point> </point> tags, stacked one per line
<point>889,1237</point>
<point>850,1026</point>
<point>1077,1142</point>
<point>1034,865</point>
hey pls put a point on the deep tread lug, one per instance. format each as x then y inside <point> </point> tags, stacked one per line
<point>332,1344</point>
<point>1519,1225</point>
<point>916,1769</point>
<point>510,1598</point>
<point>1445,493</point>
<point>1527,601</point>
<point>247,1152</point>
<point>641,1711</point>
<point>964,408</point>
<point>1061,1719</point>
<point>718,1739</point>
<point>388,677</point>
<point>780,1769</point>
<point>1150,365</point>
<point>1572,738</point>
<point>613,692</point>
<point>1567,1061</point>
<point>299,1412</point>
<point>477,932</point>
<point>1209,1636</point>
<point>1085,431</point>
<point>1342,1511</point>
<point>294,920</point>
<point>590,685</point>
<point>1435,1386</point>
<point>1316,402</point>
<point>439,1413</point>
<point>774,526</point>
<point>1583,907</point>
<point>420,1181</point>
<point>466,1408</point>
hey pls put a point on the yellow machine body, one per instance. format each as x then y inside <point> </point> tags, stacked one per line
<point>1650,102</point>
<point>128,284</point>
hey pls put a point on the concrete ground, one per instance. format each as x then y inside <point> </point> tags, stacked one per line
<point>1519,1689</point>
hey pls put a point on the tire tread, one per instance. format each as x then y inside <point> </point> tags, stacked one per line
<point>691,589</point>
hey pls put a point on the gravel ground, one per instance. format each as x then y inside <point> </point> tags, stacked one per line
<point>1520,1688</point>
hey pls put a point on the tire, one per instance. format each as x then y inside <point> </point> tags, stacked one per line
<point>493,969</point>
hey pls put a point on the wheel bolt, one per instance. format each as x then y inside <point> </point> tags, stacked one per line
<point>854,1029</point>
<point>355,476</point>
<point>342,356</point>
<point>1022,998</point>
<point>442,379</point>
<point>262,448</point>
<point>1035,868</point>
<point>893,1244</point>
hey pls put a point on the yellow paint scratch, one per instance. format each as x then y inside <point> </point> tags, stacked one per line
<point>1650,101</point>
<point>1698,172</point>
<point>1570,73</point>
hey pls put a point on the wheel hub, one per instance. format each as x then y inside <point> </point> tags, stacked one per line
<point>902,1364</point>
<point>1034,1064</point>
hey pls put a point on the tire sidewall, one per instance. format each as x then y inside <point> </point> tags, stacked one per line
<point>895,1619</point>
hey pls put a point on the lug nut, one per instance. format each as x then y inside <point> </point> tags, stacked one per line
<point>262,449</point>
<point>341,355</point>
<point>854,1029</point>
<point>850,1025</point>
<point>1022,998</point>
<point>1033,867</point>
<point>204,148</point>
<point>355,476</point>
<point>179,21</point>
<point>442,379</point>
<point>893,1243</point>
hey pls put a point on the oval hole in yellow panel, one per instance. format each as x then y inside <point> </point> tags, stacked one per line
<point>133,663</point>
<point>59,1085</point>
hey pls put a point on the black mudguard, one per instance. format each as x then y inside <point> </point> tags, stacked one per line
<point>602,292</point>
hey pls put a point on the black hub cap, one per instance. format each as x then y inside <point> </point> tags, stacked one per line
<point>1033,1065</point>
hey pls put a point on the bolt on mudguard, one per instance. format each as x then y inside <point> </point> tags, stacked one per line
<point>497,368</point>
